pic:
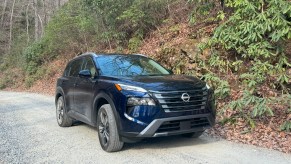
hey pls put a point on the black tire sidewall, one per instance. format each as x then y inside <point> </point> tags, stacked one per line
<point>66,120</point>
<point>102,109</point>
<point>62,100</point>
<point>114,143</point>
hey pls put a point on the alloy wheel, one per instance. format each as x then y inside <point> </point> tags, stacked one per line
<point>104,128</point>
<point>60,112</point>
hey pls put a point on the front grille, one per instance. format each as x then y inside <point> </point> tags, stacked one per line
<point>188,124</point>
<point>171,101</point>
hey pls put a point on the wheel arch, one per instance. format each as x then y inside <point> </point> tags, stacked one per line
<point>101,99</point>
<point>59,93</point>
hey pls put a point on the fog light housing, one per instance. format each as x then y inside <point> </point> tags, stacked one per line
<point>135,101</point>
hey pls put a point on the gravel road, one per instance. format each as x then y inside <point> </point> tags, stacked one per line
<point>29,134</point>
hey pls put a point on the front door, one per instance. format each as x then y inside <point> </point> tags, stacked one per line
<point>84,89</point>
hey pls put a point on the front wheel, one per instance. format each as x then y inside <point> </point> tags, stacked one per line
<point>107,130</point>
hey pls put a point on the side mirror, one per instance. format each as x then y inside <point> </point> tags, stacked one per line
<point>85,73</point>
<point>171,72</point>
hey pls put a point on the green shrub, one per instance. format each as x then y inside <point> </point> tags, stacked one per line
<point>256,28</point>
<point>9,78</point>
<point>34,57</point>
<point>40,72</point>
<point>3,84</point>
<point>73,27</point>
<point>248,47</point>
<point>286,126</point>
<point>122,20</point>
<point>201,11</point>
<point>29,81</point>
<point>134,44</point>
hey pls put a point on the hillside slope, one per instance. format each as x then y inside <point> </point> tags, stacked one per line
<point>175,44</point>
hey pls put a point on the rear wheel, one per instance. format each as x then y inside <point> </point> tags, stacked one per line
<point>193,135</point>
<point>107,130</point>
<point>61,113</point>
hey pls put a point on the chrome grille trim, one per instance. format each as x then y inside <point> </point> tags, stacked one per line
<point>171,101</point>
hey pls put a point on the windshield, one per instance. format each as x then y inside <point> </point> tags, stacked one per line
<point>130,65</point>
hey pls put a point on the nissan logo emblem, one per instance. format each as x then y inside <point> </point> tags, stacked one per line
<point>185,97</point>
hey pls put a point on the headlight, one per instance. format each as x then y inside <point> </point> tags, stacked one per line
<point>207,86</point>
<point>210,92</point>
<point>121,87</point>
<point>135,101</point>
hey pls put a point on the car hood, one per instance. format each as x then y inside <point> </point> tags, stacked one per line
<point>164,83</point>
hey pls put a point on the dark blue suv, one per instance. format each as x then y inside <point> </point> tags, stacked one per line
<point>132,97</point>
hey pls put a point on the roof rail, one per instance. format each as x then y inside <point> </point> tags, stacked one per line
<point>83,54</point>
<point>141,55</point>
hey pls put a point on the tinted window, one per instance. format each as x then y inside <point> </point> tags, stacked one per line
<point>76,67</point>
<point>121,65</point>
<point>89,65</point>
<point>67,70</point>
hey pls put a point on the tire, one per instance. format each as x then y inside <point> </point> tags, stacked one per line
<point>193,135</point>
<point>107,130</point>
<point>61,114</point>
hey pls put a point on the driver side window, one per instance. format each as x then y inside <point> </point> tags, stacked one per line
<point>89,65</point>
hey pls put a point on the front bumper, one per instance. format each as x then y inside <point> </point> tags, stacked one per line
<point>176,125</point>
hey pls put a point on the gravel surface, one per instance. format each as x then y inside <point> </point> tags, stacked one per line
<point>29,134</point>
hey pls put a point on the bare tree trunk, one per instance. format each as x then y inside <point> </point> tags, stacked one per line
<point>44,12</point>
<point>3,12</point>
<point>11,25</point>
<point>52,6</point>
<point>41,26</point>
<point>59,4</point>
<point>36,26</point>
<point>27,22</point>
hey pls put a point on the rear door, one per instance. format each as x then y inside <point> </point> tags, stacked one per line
<point>65,83</point>
<point>72,77</point>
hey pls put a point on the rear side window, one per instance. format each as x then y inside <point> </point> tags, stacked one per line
<point>67,70</point>
<point>75,67</point>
